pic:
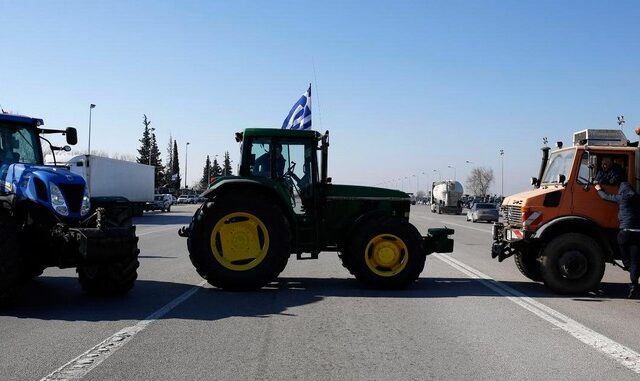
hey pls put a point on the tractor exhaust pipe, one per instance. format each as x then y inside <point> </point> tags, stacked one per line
<point>543,165</point>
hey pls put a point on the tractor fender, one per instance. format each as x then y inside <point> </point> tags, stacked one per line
<point>358,222</point>
<point>575,224</point>
<point>235,185</point>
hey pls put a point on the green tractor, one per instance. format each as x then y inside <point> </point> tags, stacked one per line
<point>280,204</point>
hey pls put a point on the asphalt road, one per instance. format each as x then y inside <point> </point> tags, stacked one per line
<point>468,317</point>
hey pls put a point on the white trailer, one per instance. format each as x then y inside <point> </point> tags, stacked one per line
<point>111,179</point>
<point>446,197</point>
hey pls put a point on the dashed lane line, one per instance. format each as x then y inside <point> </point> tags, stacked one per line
<point>83,364</point>
<point>618,352</point>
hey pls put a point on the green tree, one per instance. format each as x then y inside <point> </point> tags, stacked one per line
<point>216,169</point>
<point>226,166</point>
<point>145,143</point>
<point>168,168</point>
<point>175,170</point>
<point>156,161</point>
<point>206,173</point>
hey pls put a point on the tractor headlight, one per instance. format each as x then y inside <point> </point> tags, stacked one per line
<point>86,203</point>
<point>57,200</point>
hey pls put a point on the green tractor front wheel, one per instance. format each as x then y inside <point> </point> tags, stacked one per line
<point>386,254</point>
<point>239,242</point>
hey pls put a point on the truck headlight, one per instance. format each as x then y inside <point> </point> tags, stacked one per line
<point>86,203</point>
<point>57,200</point>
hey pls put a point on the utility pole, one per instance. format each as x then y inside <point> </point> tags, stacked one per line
<point>502,173</point>
<point>186,164</point>
<point>91,107</point>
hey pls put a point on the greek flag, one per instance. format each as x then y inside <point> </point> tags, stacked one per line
<point>299,117</point>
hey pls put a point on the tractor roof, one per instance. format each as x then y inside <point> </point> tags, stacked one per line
<point>281,133</point>
<point>20,119</point>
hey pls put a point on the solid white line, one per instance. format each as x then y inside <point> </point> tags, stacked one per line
<point>83,364</point>
<point>625,356</point>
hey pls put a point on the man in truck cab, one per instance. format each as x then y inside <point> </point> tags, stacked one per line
<point>629,234</point>
<point>609,173</point>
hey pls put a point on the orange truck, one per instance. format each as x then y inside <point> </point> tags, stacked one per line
<point>561,232</point>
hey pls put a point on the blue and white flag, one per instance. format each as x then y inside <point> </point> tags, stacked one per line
<point>299,117</point>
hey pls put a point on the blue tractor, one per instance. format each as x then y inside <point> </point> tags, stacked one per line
<point>48,219</point>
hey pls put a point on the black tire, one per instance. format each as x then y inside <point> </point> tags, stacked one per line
<point>11,266</point>
<point>361,260</point>
<point>272,238</point>
<point>115,278</point>
<point>32,271</point>
<point>528,265</point>
<point>168,208</point>
<point>344,259</point>
<point>572,263</point>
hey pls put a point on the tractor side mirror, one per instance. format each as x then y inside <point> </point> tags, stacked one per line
<point>562,179</point>
<point>534,181</point>
<point>72,136</point>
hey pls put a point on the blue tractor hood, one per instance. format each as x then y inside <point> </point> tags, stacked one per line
<point>34,183</point>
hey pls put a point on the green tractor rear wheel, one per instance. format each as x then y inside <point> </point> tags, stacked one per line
<point>239,242</point>
<point>386,253</point>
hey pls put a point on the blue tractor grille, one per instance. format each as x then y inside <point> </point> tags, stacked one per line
<point>73,194</point>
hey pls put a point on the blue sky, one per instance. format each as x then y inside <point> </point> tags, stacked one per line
<point>405,87</point>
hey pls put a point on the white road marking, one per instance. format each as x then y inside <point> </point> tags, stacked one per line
<point>623,355</point>
<point>83,364</point>
<point>159,230</point>
<point>446,223</point>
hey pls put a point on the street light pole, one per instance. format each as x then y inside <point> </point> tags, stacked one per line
<point>91,107</point>
<point>439,177</point>
<point>502,173</point>
<point>186,164</point>
<point>454,171</point>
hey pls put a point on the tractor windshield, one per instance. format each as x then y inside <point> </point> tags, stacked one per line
<point>560,163</point>
<point>19,144</point>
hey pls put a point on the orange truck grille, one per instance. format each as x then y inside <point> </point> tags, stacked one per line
<point>512,215</point>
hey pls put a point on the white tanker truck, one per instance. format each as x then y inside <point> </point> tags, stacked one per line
<point>446,197</point>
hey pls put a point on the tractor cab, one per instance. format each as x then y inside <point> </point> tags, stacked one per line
<point>19,143</point>
<point>289,160</point>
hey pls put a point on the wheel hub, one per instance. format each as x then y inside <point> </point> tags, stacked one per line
<point>239,241</point>
<point>573,264</point>
<point>386,255</point>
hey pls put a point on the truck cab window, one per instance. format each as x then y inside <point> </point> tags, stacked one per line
<point>583,171</point>
<point>560,163</point>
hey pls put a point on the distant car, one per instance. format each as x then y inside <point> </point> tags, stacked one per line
<point>184,199</point>
<point>483,211</point>
<point>161,202</point>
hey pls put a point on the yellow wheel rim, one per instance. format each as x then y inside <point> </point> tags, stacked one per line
<point>386,255</point>
<point>239,241</point>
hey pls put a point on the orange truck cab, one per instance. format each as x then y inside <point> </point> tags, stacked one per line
<point>561,232</point>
